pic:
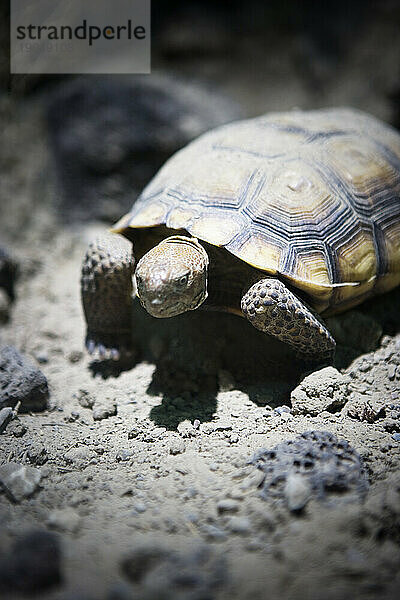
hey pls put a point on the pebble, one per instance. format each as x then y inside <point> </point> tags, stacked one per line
<point>297,491</point>
<point>33,564</point>
<point>19,481</point>
<point>239,524</point>
<point>104,410</point>
<point>177,446</point>
<point>21,381</point>
<point>227,505</point>
<point>396,437</point>
<point>37,454</point>
<point>79,456</point>
<point>18,430</point>
<point>280,410</point>
<point>186,429</point>
<point>365,408</point>
<point>85,399</point>
<point>123,455</point>
<point>75,356</point>
<point>42,357</point>
<point>140,507</point>
<point>64,519</point>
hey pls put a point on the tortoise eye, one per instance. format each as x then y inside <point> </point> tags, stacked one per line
<point>183,280</point>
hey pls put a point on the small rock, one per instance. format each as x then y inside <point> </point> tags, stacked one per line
<point>177,446</point>
<point>75,356</point>
<point>72,417</point>
<point>227,505</point>
<point>64,519</point>
<point>104,409</point>
<point>124,455</point>
<point>85,399</point>
<point>42,357</point>
<point>325,389</point>
<point>396,437</point>
<point>297,491</point>
<point>33,564</point>
<point>79,456</point>
<point>240,525</point>
<point>21,381</point>
<point>186,429</point>
<point>37,455</point>
<point>365,408</point>
<point>19,481</point>
<point>17,429</point>
<point>140,507</point>
<point>6,414</point>
<point>280,410</point>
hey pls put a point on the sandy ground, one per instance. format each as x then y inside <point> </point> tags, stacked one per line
<point>168,468</point>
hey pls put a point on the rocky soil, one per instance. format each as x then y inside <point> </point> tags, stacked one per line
<point>214,464</point>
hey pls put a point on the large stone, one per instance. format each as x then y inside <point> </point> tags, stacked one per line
<point>326,389</point>
<point>315,464</point>
<point>21,381</point>
<point>33,564</point>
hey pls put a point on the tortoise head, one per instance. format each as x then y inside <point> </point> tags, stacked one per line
<point>171,278</point>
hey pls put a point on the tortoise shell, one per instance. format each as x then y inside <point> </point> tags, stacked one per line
<point>313,197</point>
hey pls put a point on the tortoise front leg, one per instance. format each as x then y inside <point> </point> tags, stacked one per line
<point>271,307</point>
<point>106,286</point>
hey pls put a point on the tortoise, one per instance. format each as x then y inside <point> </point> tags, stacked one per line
<point>282,219</point>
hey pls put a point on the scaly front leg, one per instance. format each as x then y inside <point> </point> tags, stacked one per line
<point>106,286</point>
<point>271,307</point>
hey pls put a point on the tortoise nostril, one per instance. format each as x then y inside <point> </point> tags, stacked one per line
<point>156,301</point>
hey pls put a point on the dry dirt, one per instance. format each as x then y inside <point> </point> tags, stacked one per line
<point>169,469</point>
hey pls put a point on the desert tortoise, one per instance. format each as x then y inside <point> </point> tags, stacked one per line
<point>279,218</point>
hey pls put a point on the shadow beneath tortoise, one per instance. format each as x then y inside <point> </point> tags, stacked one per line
<point>199,354</point>
<point>360,330</point>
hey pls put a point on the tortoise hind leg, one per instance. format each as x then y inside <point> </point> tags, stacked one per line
<point>106,288</point>
<point>271,307</point>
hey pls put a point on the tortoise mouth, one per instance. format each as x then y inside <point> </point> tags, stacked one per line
<point>162,311</point>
